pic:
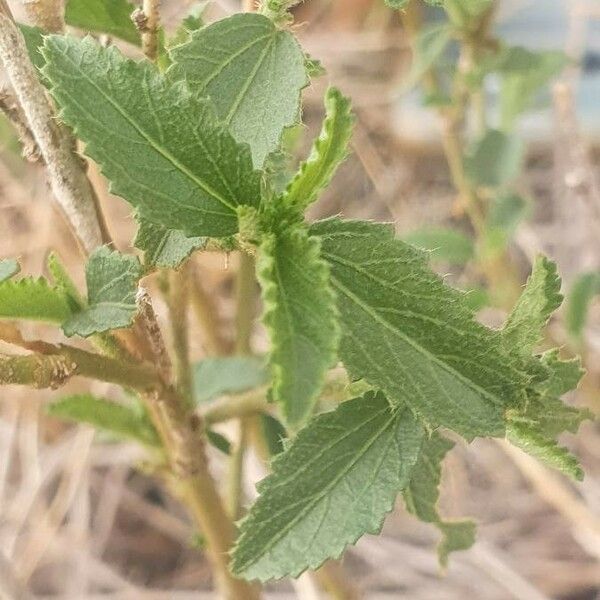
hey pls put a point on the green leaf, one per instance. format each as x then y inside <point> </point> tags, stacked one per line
<point>535,426</point>
<point>8,268</point>
<point>507,211</point>
<point>214,377</point>
<point>192,22</point>
<point>422,494</point>
<point>429,45</point>
<point>540,298</point>
<point>523,79</point>
<point>583,290</point>
<point>444,244</point>
<point>328,152</point>
<point>335,482</point>
<point>118,419</point>
<point>564,375</point>
<point>165,248</point>
<point>495,159</point>
<point>112,282</point>
<point>274,434</point>
<point>476,298</point>
<point>64,283</point>
<point>544,449</point>
<point>112,17</point>
<point>34,40</point>
<point>252,71</point>
<point>300,317</point>
<point>33,299</point>
<point>220,442</point>
<point>162,149</point>
<point>411,336</point>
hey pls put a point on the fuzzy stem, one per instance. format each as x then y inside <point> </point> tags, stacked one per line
<point>58,364</point>
<point>245,300</point>
<point>68,180</point>
<point>178,302</point>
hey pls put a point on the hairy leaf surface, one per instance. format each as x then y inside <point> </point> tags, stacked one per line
<point>334,483</point>
<point>545,449</point>
<point>252,71</point>
<point>411,336</point>
<point>538,301</point>
<point>64,283</point>
<point>165,248</point>
<point>422,494</point>
<point>112,280</point>
<point>328,152</point>
<point>34,39</point>
<point>214,377</point>
<point>8,268</point>
<point>34,299</point>
<point>112,17</point>
<point>444,244</point>
<point>162,149</point>
<point>300,318</point>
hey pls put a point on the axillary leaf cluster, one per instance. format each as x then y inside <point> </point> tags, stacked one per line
<point>191,149</point>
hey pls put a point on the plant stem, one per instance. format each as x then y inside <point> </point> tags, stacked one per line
<point>58,364</point>
<point>236,471</point>
<point>180,433</point>
<point>178,302</point>
<point>14,113</point>
<point>68,180</point>
<point>245,301</point>
<point>231,407</point>
<point>207,316</point>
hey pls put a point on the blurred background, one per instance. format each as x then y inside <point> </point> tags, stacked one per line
<point>77,520</point>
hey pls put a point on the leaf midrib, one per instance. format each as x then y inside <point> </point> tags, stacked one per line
<point>165,154</point>
<point>420,349</point>
<point>308,507</point>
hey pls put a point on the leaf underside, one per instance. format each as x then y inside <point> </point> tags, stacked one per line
<point>165,248</point>
<point>328,152</point>
<point>300,317</point>
<point>162,149</point>
<point>112,17</point>
<point>112,280</point>
<point>336,481</point>
<point>217,376</point>
<point>422,495</point>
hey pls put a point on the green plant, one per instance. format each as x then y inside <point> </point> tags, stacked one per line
<point>193,141</point>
